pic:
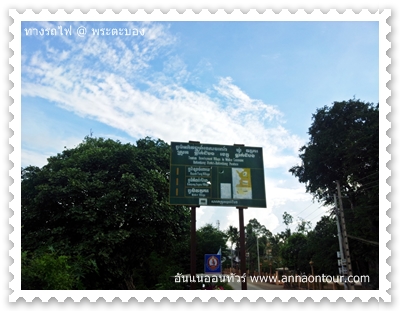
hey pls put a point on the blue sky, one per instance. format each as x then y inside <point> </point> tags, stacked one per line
<point>255,83</point>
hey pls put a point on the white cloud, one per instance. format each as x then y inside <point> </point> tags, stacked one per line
<point>119,89</point>
<point>175,67</point>
<point>34,158</point>
<point>170,112</point>
<point>242,103</point>
<point>45,143</point>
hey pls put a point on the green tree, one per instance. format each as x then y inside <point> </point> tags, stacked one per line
<point>105,202</point>
<point>322,245</point>
<point>344,148</point>
<point>294,252</point>
<point>233,236</point>
<point>287,219</point>
<point>303,226</point>
<point>255,231</point>
<point>209,240</point>
<point>50,271</point>
<point>273,256</point>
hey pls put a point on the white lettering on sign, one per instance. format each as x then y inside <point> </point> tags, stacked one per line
<point>201,148</point>
<point>198,192</point>
<point>181,153</point>
<point>244,155</point>
<point>198,182</point>
<point>199,171</point>
<point>251,150</point>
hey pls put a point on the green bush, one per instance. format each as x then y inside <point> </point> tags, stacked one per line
<point>48,271</point>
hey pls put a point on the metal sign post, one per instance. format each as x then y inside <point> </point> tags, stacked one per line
<point>242,248</point>
<point>193,248</point>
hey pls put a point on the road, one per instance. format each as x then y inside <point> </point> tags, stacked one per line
<point>256,286</point>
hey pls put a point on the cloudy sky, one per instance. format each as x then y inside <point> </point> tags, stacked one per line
<point>252,83</point>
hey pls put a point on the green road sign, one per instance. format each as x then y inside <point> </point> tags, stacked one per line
<point>216,175</point>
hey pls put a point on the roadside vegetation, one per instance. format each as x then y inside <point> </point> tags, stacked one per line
<point>97,216</point>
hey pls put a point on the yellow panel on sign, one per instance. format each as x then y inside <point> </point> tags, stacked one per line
<point>241,183</point>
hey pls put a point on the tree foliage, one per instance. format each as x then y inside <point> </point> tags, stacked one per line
<point>209,240</point>
<point>105,202</point>
<point>233,236</point>
<point>303,226</point>
<point>287,219</point>
<point>295,250</point>
<point>323,244</point>
<point>344,149</point>
<point>50,271</point>
<point>256,235</point>
<point>295,253</point>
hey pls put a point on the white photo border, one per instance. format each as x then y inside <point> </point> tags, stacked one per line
<point>380,16</point>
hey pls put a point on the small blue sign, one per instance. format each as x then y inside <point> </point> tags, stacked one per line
<point>212,263</point>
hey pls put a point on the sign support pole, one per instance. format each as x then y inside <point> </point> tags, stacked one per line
<point>193,240</point>
<point>242,248</point>
<point>193,248</point>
